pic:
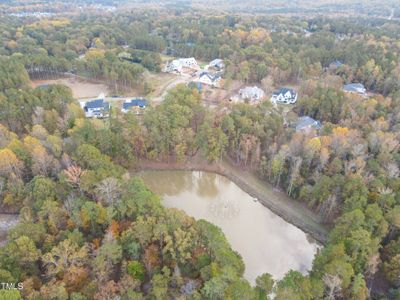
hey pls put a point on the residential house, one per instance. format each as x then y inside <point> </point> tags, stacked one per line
<point>284,96</point>
<point>252,94</point>
<point>96,108</point>
<point>307,33</point>
<point>209,78</point>
<point>134,105</point>
<point>177,65</point>
<point>306,124</point>
<point>217,64</point>
<point>355,88</point>
<point>173,66</point>
<point>335,64</point>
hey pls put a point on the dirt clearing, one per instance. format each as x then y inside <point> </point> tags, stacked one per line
<point>80,88</point>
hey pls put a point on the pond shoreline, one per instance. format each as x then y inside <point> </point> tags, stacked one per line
<point>278,202</point>
<point>7,221</point>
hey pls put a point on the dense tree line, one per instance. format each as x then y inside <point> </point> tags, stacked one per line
<point>284,50</point>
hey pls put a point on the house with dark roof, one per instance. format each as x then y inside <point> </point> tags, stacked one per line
<point>306,124</point>
<point>217,64</point>
<point>335,64</point>
<point>135,105</point>
<point>97,108</point>
<point>212,79</point>
<point>357,88</point>
<point>284,96</point>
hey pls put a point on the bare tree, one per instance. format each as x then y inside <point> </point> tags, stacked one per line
<point>108,190</point>
<point>333,286</point>
<point>329,206</point>
<point>373,264</point>
<point>268,84</point>
<point>294,172</point>
<point>43,163</point>
<point>73,176</point>
<point>392,170</point>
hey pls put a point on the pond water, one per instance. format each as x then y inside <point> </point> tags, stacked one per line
<point>266,242</point>
<point>6,222</point>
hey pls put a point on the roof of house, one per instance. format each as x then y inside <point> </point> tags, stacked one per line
<point>251,90</point>
<point>283,91</point>
<point>216,61</point>
<point>336,63</point>
<point>353,87</point>
<point>213,77</point>
<point>181,62</point>
<point>98,103</point>
<point>187,59</point>
<point>175,63</point>
<point>306,121</point>
<point>134,102</point>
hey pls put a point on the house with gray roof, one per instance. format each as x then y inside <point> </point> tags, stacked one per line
<point>284,95</point>
<point>136,105</point>
<point>217,64</point>
<point>97,108</point>
<point>357,88</point>
<point>306,124</point>
<point>335,64</point>
<point>212,79</point>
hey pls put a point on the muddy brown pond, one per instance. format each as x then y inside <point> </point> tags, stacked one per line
<point>266,242</point>
<point>6,222</point>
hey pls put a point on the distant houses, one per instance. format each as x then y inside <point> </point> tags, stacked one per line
<point>96,108</point>
<point>357,88</point>
<point>135,105</point>
<point>306,124</point>
<point>178,64</point>
<point>284,96</point>
<point>209,78</point>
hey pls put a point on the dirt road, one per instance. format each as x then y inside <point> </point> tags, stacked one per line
<point>164,88</point>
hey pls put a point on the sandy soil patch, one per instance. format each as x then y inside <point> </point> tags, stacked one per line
<point>80,88</point>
